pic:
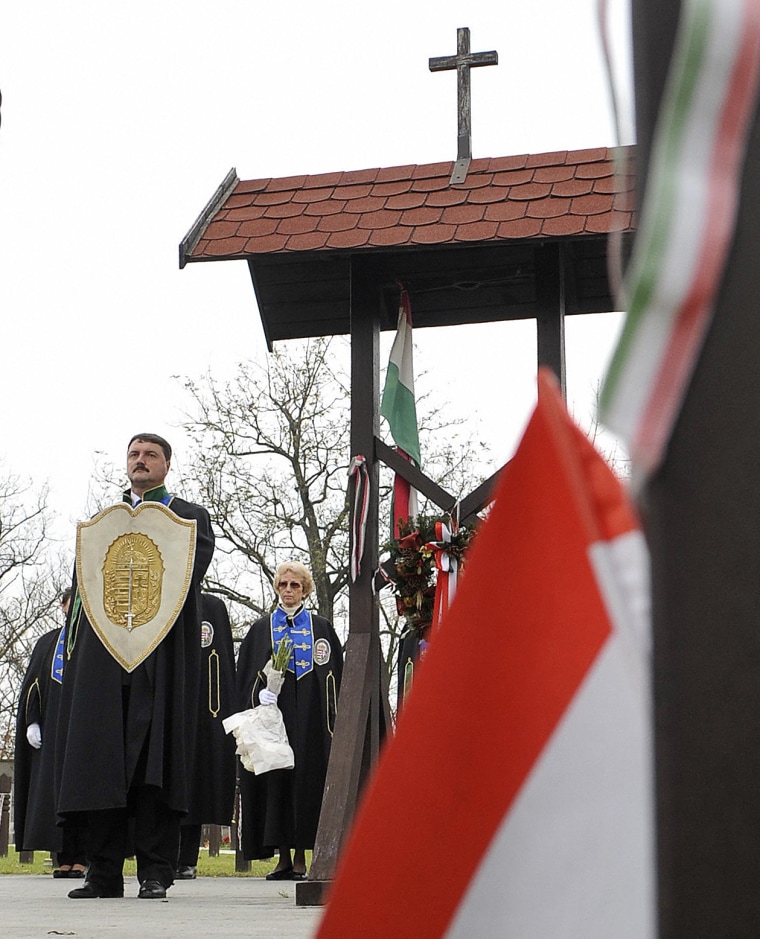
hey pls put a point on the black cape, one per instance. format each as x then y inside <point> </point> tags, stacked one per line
<point>282,807</point>
<point>34,816</point>
<point>117,729</point>
<point>212,783</point>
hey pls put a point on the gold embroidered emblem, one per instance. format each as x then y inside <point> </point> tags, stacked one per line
<point>134,569</point>
<point>133,573</point>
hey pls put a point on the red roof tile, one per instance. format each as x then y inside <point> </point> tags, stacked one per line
<point>257,227</point>
<point>379,219</point>
<point>508,163</point>
<point>392,189</point>
<point>594,204</point>
<point>408,200</point>
<point>520,228</point>
<point>422,216</point>
<point>563,225</point>
<point>298,225</point>
<point>309,241</point>
<point>348,239</point>
<point>547,208</point>
<point>573,187</point>
<point>477,231</point>
<point>515,197</point>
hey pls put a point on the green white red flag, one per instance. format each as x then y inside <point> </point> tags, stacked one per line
<point>687,222</point>
<point>515,798</point>
<point>399,408</point>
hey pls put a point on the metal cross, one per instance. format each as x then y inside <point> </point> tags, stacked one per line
<point>463,61</point>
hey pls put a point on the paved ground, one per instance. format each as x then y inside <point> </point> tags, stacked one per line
<point>36,907</point>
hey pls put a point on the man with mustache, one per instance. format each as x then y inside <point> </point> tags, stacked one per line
<point>126,736</point>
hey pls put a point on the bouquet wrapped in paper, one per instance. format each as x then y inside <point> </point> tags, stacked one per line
<point>262,741</point>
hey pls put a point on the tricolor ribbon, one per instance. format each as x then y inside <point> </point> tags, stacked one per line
<point>687,222</point>
<point>448,570</point>
<point>360,474</point>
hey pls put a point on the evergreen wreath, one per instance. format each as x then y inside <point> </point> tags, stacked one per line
<point>411,567</point>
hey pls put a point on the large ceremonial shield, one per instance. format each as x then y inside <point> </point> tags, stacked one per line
<point>134,568</point>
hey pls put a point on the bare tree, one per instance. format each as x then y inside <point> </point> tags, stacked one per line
<point>30,584</point>
<point>270,461</point>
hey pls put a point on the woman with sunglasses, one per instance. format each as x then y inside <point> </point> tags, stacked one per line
<point>280,809</point>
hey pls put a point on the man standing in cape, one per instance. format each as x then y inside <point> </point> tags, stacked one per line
<point>35,822</point>
<point>126,735</point>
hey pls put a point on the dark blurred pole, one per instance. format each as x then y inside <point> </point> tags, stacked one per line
<point>241,865</point>
<point>214,839</point>
<point>5,812</point>
<point>702,515</point>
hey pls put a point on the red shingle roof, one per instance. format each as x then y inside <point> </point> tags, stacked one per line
<point>545,195</point>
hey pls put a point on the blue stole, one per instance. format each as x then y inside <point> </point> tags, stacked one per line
<point>56,669</point>
<point>298,629</point>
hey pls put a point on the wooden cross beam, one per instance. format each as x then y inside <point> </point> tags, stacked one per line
<point>463,61</point>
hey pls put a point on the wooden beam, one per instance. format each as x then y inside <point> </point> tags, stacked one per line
<point>479,498</point>
<point>550,309</point>
<point>414,476</point>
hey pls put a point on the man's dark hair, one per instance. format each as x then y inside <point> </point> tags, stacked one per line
<point>153,438</point>
<point>66,595</point>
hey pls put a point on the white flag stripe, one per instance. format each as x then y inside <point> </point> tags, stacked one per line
<point>402,354</point>
<point>574,858</point>
<point>581,831</point>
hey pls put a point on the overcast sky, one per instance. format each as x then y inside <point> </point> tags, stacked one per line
<point>119,122</point>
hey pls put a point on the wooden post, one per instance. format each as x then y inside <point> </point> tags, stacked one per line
<point>550,309</point>
<point>5,814</point>
<point>701,510</point>
<point>214,839</point>
<point>241,865</point>
<point>363,713</point>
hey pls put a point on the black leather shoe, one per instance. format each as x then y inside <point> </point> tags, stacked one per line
<point>152,890</point>
<point>285,874</point>
<point>90,891</point>
<point>186,873</point>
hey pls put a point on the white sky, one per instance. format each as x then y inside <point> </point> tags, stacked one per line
<point>118,123</point>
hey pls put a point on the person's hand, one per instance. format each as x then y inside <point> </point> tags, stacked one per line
<point>267,697</point>
<point>34,735</point>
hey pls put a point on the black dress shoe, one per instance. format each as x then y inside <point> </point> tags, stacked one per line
<point>285,874</point>
<point>90,891</point>
<point>186,873</point>
<point>152,890</point>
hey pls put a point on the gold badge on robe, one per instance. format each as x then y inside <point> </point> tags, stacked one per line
<point>134,568</point>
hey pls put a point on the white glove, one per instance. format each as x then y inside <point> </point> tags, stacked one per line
<point>267,697</point>
<point>34,735</point>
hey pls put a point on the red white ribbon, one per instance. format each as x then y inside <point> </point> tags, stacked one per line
<point>448,571</point>
<point>360,474</point>
<point>687,222</point>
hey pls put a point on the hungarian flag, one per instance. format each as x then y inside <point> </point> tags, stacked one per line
<point>398,407</point>
<point>516,798</point>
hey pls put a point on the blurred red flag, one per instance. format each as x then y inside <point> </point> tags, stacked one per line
<point>515,799</point>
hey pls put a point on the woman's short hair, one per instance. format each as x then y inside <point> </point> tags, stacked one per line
<point>301,571</point>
